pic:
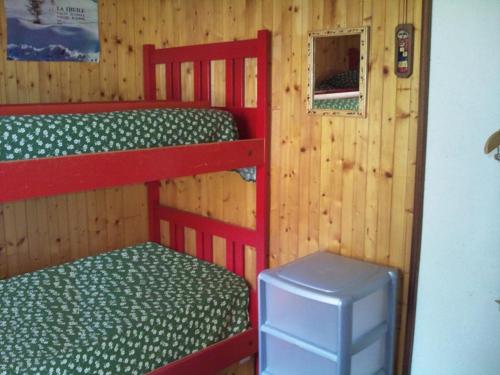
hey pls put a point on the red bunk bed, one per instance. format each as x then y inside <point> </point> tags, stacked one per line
<point>24,179</point>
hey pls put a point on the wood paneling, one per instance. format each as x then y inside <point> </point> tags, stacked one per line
<point>344,184</point>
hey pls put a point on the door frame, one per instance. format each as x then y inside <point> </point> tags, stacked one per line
<point>418,200</point>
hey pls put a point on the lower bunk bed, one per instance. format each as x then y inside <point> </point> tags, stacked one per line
<point>128,311</point>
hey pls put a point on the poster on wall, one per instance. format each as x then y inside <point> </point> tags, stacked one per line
<point>52,30</point>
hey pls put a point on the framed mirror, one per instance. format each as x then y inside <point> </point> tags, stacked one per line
<point>337,69</point>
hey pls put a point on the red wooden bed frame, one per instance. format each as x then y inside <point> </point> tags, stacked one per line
<point>25,179</point>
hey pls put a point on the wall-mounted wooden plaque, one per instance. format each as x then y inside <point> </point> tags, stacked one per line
<point>403,64</point>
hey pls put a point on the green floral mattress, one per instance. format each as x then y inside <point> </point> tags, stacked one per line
<point>124,312</point>
<point>345,104</point>
<point>39,136</point>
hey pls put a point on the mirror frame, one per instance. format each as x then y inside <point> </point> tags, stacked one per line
<point>363,70</point>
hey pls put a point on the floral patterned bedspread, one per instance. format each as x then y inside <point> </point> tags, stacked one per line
<point>39,136</point>
<point>128,311</point>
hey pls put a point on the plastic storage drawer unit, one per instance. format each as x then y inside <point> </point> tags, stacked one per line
<point>327,314</point>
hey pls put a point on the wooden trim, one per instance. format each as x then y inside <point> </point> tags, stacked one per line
<point>168,81</point>
<point>149,72</point>
<point>229,82</point>
<point>213,51</point>
<point>91,107</point>
<point>22,179</point>
<point>214,357</point>
<point>207,225</point>
<point>364,40</point>
<point>239,82</point>
<point>176,81</point>
<point>262,206</point>
<point>419,185</point>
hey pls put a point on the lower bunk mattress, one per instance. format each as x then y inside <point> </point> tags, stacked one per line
<point>128,311</point>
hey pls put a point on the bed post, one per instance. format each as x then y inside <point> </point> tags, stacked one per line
<point>262,188</point>
<point>149,72</point>
<point>153,191</point>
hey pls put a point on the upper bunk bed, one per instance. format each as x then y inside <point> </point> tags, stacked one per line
<point>29,178</point>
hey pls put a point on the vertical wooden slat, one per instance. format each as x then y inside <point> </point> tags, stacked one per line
<point>96,211</point>
<point>53,227</point>
<point>22,240</point>
<point>153,191</point>
<point>239,82</point>
<point>290,131</point>
<point>200,244</point>
<point>230,246</point>
<point>230,83</point>
<point>304,156</point>
<point>262,183</point>
<point>360,169</point>
<point>35,244</point>
<point>161,84</point>
<point>212,196</point>
<point>180,239</point>
<point>108,58</point>
<point>202,80</point>
<point>187,81</point>
<point>63,232</point>
<point>206,81</point>
<point>41,218</point>
<point>209,249</point>
<point>375,89</point>
<point>250,83</point>
<point>218,83</point>
<point>135,214</point>
<point>239,259</point>
<point>78,225</point>
<point>169,82</point>
<point>176,81</point>
<point>127,88</point>
<point>149,73</point>
<point>197,80</point>
<point>173,235</point>
<point>140,38</point>
<point>114,218</point>
<point>11,241</point>
<point>388,147</point>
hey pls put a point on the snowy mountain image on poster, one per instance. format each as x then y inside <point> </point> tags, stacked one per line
<point>52,30</point>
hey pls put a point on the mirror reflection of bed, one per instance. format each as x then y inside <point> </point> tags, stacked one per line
<point>337,71</point>
<point>336,83</point>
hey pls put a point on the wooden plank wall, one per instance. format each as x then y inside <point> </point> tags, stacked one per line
<point>344,184</point>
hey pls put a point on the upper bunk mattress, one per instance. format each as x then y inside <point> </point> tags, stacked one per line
<point>38,136</point>
<point>124,312</point>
